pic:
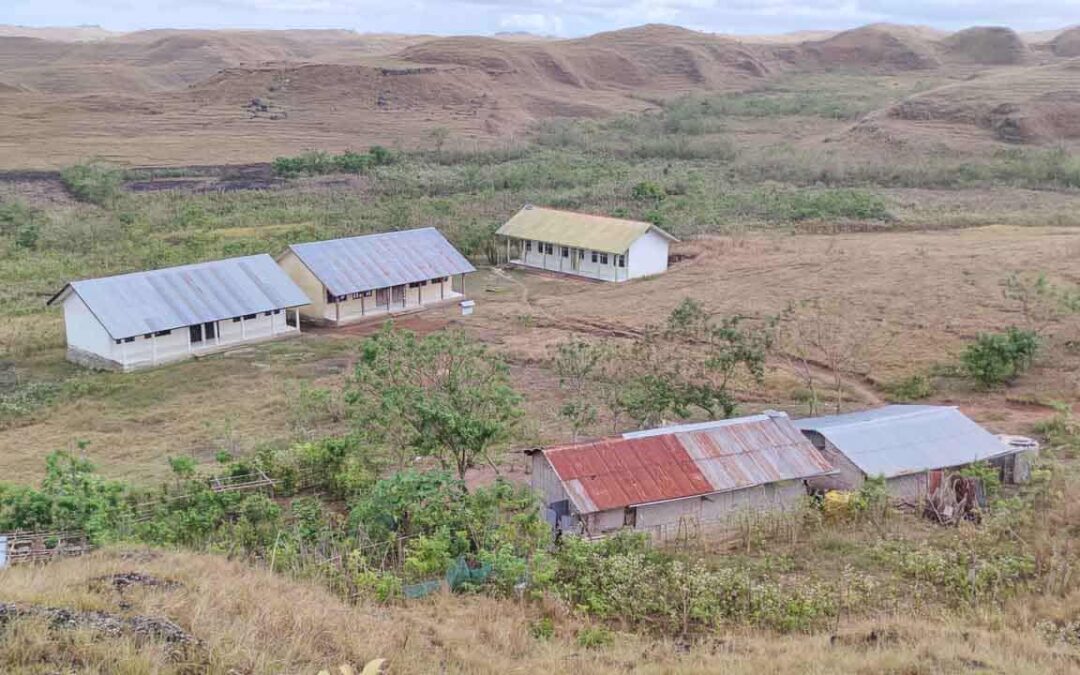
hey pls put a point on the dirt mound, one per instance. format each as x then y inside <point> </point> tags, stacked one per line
<point>987,45</point>
<point>1067,43</point>
<point>878,46</point>
<point>1032,105</point>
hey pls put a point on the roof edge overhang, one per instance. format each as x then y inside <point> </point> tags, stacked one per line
<point>701,495</point>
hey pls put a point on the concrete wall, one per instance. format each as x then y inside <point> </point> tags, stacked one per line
<point>545,481</point>
<point>90,345</point>
<point>84,331</point>
<point>307,281</point>
<point>357,308</point>
<point>648,255</point>
<point>577,261</point>
<point>662,520</point>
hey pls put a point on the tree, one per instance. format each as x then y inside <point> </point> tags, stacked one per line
<point>439,136</point>
<point>577,363</point>
<point>443,396</point>
<point>819,332</point>
<point>721,350</point>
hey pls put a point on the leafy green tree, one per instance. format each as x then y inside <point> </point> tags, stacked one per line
<point>578,363</point>
<point>443,396</point>
<point>708,354</point>
<point>997,358</point>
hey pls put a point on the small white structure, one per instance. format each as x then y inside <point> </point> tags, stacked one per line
<point>688,476</point>
<point>596,247</point>
<point>376,275</point>
<point>144,319</point>
<point>905,444</point>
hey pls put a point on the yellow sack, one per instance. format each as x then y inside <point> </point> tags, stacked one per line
<point>837,504</point>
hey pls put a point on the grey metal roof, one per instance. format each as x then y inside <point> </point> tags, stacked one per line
<point>143,302</point>
<point>900,439</point>
<point>381,260</point>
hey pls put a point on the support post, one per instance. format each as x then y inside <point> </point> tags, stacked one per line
<point>361,303</point>
<point>508,250</point>
<point>153,349</point>
<point>243,328</point>
<point>337,310</point>
<point>297,319</point>
<point>462,284</point>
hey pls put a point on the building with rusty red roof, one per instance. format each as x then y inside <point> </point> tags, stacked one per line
<point>698,473</point>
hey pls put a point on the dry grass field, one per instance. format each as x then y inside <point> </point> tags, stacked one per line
<point>249,620</point>
<point>917,296</point>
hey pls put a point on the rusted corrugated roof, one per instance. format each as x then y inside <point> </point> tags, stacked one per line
<point>128,305</point>
<point>381,260</point>
<point>686,461</point>
<point>579,230</point>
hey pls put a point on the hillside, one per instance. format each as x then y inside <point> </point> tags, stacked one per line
<point>250,95</point>
<point>141,610</point>
<point>1030,106</point>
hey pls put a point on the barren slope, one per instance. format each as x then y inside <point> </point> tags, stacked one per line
<point>1038,105</point>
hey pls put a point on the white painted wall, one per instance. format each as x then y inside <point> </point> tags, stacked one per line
<point>648,255</point>
<point>84,331</point>
<point>86,334</point>
<point>573,263</point>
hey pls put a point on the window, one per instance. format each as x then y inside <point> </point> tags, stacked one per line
<point>195,333</point>
<point>162,333</point>
<point>117,342</point>
<point>365,294</point>
<point>147,336</point>
<point>249,317</point>
<point>277,311</point>
<point>549,249</point>
<point>620,260</point>
<point>603,258</point>
<point>268,313</point>
<point>565,252</point>
<point>594,256</point>
<point>236,319</point>
<point>528,245</point>
<point>581,254</point>
<point>355,296</point>
<point>129,339</point>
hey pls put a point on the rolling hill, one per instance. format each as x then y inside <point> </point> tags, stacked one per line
<point>246,96</point>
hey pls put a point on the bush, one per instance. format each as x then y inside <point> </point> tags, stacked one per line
<point>21,223</point>
<point>318,163</point>
<point>997,358</point>
<point>912,388</point>
<point>93,182</point>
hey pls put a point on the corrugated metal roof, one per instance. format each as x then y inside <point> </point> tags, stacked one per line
<point>679,462</point>
<point>579,230</point>
<point>381,260</point>
<point>902,439</point>
<point>143,302</point>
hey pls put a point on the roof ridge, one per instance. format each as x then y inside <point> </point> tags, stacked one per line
<point>170,268</point>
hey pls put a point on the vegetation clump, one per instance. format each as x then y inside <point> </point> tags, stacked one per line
<point>998,358</point>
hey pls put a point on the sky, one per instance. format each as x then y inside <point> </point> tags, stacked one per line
<point>564,18</point>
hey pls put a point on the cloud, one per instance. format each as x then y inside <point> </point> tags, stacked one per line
<point>540,24</point>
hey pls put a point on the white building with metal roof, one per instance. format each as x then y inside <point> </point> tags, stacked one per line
<point>144,319</point>
<point>375,275</point>
<point>904,443</point>
<point>586,245</point>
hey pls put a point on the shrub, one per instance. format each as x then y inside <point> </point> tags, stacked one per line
<point>997,358</point>
<point>912,388</point>
<point>93,182</point>
<point>22,223</point>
